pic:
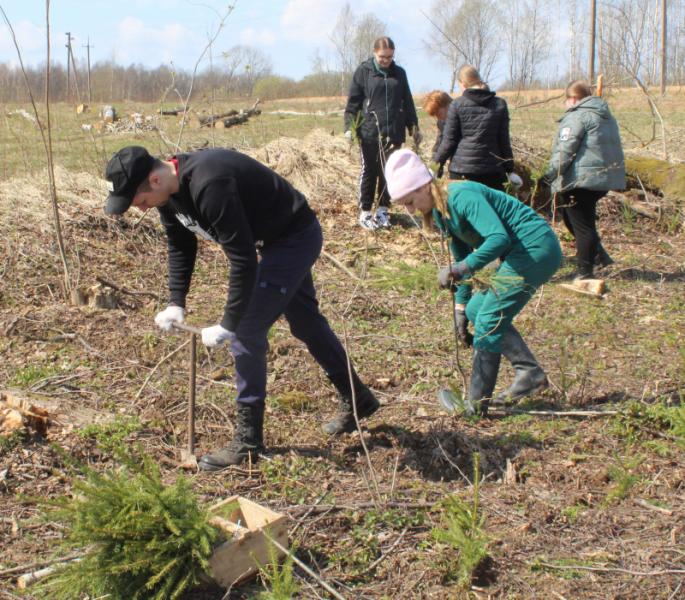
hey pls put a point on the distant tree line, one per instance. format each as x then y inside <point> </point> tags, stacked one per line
<point>516,44</point>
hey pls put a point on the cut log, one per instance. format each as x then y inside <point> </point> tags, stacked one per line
<point>231,117</point>
<point>588,287</point>
<point>171,112</point>
<point>635,205</point>
<point>211,119</point>
<point>658,175</point>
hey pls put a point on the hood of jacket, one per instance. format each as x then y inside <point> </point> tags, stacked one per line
<point>369,64</point>
<point>593,103</point>
<point>478,96</point>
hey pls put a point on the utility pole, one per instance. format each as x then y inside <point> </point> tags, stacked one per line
<point>591,51</point>
<point>88,47</point>
<point>68,47</point>
<point>73,66</point>
<point>664,22</point>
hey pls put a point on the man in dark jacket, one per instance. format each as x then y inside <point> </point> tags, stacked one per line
<point>379,109</point>
<point>476,134</point>
<point>272,238</point>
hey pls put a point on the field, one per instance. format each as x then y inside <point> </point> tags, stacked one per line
<point>573,507</point>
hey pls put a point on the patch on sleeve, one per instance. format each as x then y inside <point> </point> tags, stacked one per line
<point>110,185</point>
<point>564,134</point>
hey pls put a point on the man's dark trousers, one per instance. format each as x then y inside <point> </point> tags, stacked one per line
<point>284,287</point>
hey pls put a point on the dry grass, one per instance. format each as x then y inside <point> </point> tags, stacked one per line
<point>561,509</point>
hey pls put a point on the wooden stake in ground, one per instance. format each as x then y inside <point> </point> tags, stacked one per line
<point>188,458</point>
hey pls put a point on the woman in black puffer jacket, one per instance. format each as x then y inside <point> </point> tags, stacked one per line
<point>476,134</point>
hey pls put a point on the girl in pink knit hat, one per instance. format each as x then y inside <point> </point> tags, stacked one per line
<point>483,225</point>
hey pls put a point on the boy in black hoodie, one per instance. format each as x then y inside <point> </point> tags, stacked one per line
<point>272,238</point>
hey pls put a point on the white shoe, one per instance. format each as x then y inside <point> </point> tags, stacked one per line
<point>383,218</point>
<point>367,221</point>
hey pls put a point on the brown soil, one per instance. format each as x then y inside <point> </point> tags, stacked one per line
<point>557,524</point>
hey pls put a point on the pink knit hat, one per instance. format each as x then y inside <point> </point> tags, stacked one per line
<point>404,173</point>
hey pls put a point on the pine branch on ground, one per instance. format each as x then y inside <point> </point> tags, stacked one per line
<point>144,540</point>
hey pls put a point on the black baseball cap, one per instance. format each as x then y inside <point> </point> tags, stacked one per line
<point>125,171</point>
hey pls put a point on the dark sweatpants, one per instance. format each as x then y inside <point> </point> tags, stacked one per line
<point>494,181</point>
<point>579,211</point>
<point>373,157</point>
<point>284,287</point>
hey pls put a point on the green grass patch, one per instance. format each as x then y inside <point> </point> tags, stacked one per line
<point>401,277</point>
<point>111,437</point>
<point>293,402</point>
<point>638,421</point>
<point>30,374</point>
<point>544,564</point>
<point>366,528</point>
<point>624,480</point>
<point>573,512</point>
<point>11,441</point>
<point>287,478</point>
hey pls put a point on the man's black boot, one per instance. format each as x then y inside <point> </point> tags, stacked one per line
<point>247,442</point>
<point>602,258</point>
<point>529,379</point>
<point>366,403</point>
<point>483,379</point>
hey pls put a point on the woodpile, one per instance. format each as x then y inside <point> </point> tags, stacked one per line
<point>229,118</point>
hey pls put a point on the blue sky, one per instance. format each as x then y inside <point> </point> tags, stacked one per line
<point>152,32</point>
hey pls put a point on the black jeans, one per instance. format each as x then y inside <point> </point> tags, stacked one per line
<point>492,180</point>
<point>373,156</point>
<point>579,211</point>
<point>284,287</point>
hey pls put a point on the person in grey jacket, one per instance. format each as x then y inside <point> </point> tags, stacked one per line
<point>587,161</point>
<point>475,138</point>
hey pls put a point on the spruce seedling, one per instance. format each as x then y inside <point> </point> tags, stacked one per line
<point>462,530</point>
<point>143,540</point>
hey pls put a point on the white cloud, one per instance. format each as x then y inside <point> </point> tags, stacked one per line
<point>310,21</point>
<point>31,41</point>
<point>258,37</point>
<point>137,42</point>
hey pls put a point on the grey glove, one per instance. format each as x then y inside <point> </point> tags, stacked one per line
<point>447,276</point>
<point>461,324</point>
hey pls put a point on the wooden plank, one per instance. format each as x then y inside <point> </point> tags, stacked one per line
<point>246,545</point>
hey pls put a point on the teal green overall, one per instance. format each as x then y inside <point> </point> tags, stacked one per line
<point>483,225</point>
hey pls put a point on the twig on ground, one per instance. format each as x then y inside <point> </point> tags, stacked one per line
<point>123,290</point>
<point>645,504</point>
<point>151,373</point>
<point>385,554</point>
<point>377,495</point>
<point>40,564</point>
<point>610,570</point>
<point>294,510</point>
<point>304,567</point>
<point>328,256</point>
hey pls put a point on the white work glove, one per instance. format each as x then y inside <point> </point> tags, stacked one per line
<point>171,314</point>
<point>515,180</point>
<point>348,135</point>
<point>215,335</point>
